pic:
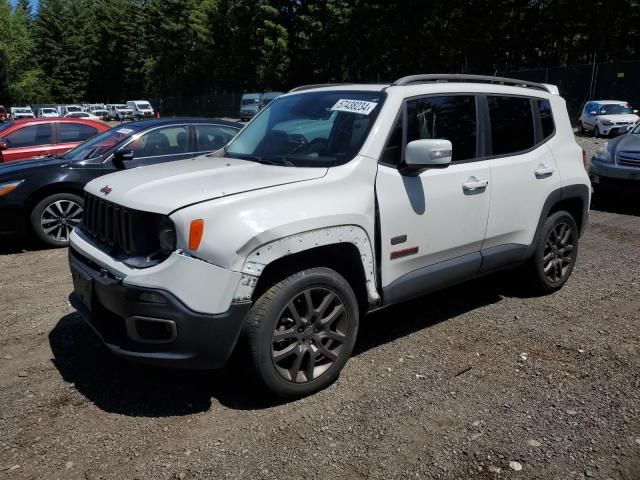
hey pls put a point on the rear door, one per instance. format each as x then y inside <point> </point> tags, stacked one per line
<point>523,169</point>
<point>433,222</point>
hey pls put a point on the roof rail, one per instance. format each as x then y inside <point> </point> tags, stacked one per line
<point>317,85</point>
<point>457,77</point>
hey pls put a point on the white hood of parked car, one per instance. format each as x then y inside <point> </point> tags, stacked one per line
<point>627,117</point>
<point>167,187</point>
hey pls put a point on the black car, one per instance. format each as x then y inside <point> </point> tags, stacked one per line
<point>45,196</point>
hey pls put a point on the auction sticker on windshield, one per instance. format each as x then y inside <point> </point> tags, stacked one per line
<point>125,131</point>
<point>354,106</point>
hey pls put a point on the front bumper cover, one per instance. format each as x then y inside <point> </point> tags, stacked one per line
<point>200,340</point>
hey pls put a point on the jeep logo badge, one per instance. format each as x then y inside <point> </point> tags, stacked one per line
<point>106,190</point>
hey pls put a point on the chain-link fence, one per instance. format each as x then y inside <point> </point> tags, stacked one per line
<point>212,105</point>
<point>581,83</point>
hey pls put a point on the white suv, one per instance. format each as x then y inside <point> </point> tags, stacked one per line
<point>333,202</point>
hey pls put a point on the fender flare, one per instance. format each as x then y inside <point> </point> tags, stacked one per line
<point>259,258</point>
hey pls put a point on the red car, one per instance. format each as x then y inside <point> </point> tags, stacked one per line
<point>39,137</point>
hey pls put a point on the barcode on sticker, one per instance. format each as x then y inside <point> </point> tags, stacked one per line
<point>354,106</point>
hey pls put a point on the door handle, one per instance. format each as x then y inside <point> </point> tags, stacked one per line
<point>474,184</point>
<point>543,171</point>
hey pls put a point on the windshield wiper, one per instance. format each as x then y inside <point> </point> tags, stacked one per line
<point>279,161</point>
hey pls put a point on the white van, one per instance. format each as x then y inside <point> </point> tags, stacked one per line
<point>141,108</point>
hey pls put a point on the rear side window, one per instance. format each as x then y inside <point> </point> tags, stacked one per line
<point>546,118</point>
<point>213,137</point>
<point>75,132</point>
<point>512,127</point>
<point>30,136</point>
<point>451,118</point>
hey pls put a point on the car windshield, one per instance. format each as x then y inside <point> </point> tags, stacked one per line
<point>74,109</point>
<point>614,109</point>
<point>5,126</point>
<point>250,101</point>
<point>144,106</point>
<point>102,143</point>
<point>121,107</point>
<point>309,129</point>
<point>49,110</point>
<point>22,110</point>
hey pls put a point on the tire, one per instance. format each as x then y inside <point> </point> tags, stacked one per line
<point>596,132</point>
<point>53,218</point>
<point>310,352</point>
<point>555,255</point>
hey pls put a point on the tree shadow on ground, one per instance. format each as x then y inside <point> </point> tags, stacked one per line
<point>119,386</point>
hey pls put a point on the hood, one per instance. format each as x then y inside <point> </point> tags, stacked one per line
<point>627,117</point>
<point>625,143</point>
<point>12,170</point>
<point>164,188</point>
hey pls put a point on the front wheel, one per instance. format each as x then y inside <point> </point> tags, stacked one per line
<point>301,332</point>
<point>556,253</point>
<point>53,218</point>
<point>596,132</point>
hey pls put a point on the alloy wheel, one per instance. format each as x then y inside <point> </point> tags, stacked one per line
<point>309,334</point>
<point>59,218</point>
<point>558,252</point>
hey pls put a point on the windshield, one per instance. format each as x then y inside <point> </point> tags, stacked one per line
<point>22,110</point>
<point>121,107</point>
<point>615,109</point>
<point>250,101</point>
<point>49,110</point>
<point>309,129</point>
<point>96,146</point>
<point>144,106</point>
<point>73,109</point>
<point>5,126</point>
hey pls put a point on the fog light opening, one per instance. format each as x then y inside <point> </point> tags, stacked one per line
<point>151,330</point>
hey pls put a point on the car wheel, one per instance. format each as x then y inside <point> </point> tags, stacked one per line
<point>301,332</point>
<point>556,253</point>
<point>596,132</point>
<point>53,218</point>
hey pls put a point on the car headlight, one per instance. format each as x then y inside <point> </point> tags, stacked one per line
<point>167,235</point>
<point>607,122</point>
<point>603,155</point>
<point>6,188</point>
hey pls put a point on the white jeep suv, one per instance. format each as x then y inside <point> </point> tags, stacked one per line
<point>334,201</point>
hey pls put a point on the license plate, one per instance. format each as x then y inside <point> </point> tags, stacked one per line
<point>83,287</point>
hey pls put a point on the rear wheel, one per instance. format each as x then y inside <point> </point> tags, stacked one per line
<point>301,332</point>
<point>53,218</point>
<point>555,254</point>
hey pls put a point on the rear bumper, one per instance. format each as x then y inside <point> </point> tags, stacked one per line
<point>151,325</point>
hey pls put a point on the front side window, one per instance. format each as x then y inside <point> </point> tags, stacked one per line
<point>162,141</point>
<point>450,118</point>
<point>75,132</point>
<point>100,144</point>
<point>30,136</point>
<point>311,129</point>
<point>512,128</point>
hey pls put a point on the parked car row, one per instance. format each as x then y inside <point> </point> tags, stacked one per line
<point>132,110</point>
<point>252,103</point>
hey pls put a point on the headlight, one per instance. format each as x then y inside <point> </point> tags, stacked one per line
<point>167,235</point>
<point>607,122</point>
<point>6,188</point>
<point>603,154</point>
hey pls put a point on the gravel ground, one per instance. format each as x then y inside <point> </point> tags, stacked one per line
<point>478,381</point>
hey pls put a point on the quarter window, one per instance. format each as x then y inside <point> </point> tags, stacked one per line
<point>546,118</point>
<point>30,136</point>
<point>512,127</point>
<point>451,118</point>
<point>75,132</point>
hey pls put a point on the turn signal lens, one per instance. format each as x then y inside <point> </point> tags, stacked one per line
<point>9,187</point>
<point>195,233</point>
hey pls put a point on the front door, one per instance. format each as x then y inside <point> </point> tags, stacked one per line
<point>432,225</point>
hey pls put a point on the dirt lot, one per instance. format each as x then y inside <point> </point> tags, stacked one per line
<point>460,384</point>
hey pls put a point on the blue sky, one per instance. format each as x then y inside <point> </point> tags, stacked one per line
<point>34,3</point>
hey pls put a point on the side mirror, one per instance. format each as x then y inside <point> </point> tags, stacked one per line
<point>3,145</point>
<point>122,156</point>
<point>422,154</point>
